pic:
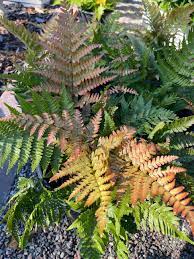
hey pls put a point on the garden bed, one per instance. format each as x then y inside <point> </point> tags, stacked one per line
<point>56,241</point>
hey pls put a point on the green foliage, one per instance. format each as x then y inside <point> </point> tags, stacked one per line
<point>91,245</point>
<point>168,4</point>
<point>144,115</point>
<point>19,147</point>
<point>32,206</point>
<point>165,25</point>
<point>29,39</point>
<point>158,217</point>
<point>25,77</point>
<point>97,6</point>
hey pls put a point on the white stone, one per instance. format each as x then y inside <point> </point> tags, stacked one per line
<point>30,3</point>
<point>7,97</point>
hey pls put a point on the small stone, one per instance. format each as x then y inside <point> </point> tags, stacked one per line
<point>40,20</point>
<point>57,237</point>
<point>62,255</point>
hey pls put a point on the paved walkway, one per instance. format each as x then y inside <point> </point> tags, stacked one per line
<point>131,13</point>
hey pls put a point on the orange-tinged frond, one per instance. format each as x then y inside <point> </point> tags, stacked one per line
<point>157,162</point>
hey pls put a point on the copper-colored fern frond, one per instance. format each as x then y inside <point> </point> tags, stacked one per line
<point>92,84</point>
<point>94,126</point>
<point>150,174</point>
<point>138,152</point>
<point>71,63</point>
<point>88,99</point>
<point>116,138</point>
<point>56,128</point>
<point>175,196</point>
<point>159,172</point>
<point>121,89</point>
<point>157,162</point>
<point>121,160</point>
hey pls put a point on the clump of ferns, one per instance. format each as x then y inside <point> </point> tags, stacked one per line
<point>58,130</point>
<point>121,160</point>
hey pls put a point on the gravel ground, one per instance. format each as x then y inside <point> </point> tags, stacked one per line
<point>54,242</point>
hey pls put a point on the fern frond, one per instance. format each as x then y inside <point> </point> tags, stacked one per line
<point>29,39</point>
<point>145,175</point>
<point>90,247</point>
<point>89,99</point>
<point>158,217</point>
<point>19,148</point>
<point>175,196</point>
<point>32,205</point>
<point>92,176</point>
<point>176,66</point>
<point>50,125</point>
<point>182,141</point>
<point>178,125</point>
<point>144,115</point>
<point>121,89</point>
<point>167,24</point>
<point>94,125</point>
<point>71,64</point>
<point>109,124</point>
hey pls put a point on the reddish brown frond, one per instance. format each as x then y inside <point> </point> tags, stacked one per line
<point>88,99</point>
<point>84,51</point>
<point>174,196</point>
<point>50,125</point>
<point>71,63</point>
<point>157,162</point>
<point>121,89</point>
<point>94,126</point>
<point>92,84</point>
<point>159,172</point>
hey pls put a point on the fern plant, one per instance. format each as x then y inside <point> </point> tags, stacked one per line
<point>165,25</point>
<point>71,125</point>
<point>137,164</point>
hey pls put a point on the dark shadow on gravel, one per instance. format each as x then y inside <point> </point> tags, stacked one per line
<point>187,252</point>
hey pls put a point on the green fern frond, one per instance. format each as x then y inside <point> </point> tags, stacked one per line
<point>20,148</point>
<point>32,206</point>
<point>29,39</point>
<point>182,141</point>
<point>165,25</point>
<point>109,124</point>
<point>158,217</point>
<point>176,65</point>
<point>145,116</point>
<point>178,125</point>
<point>91,245</point>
